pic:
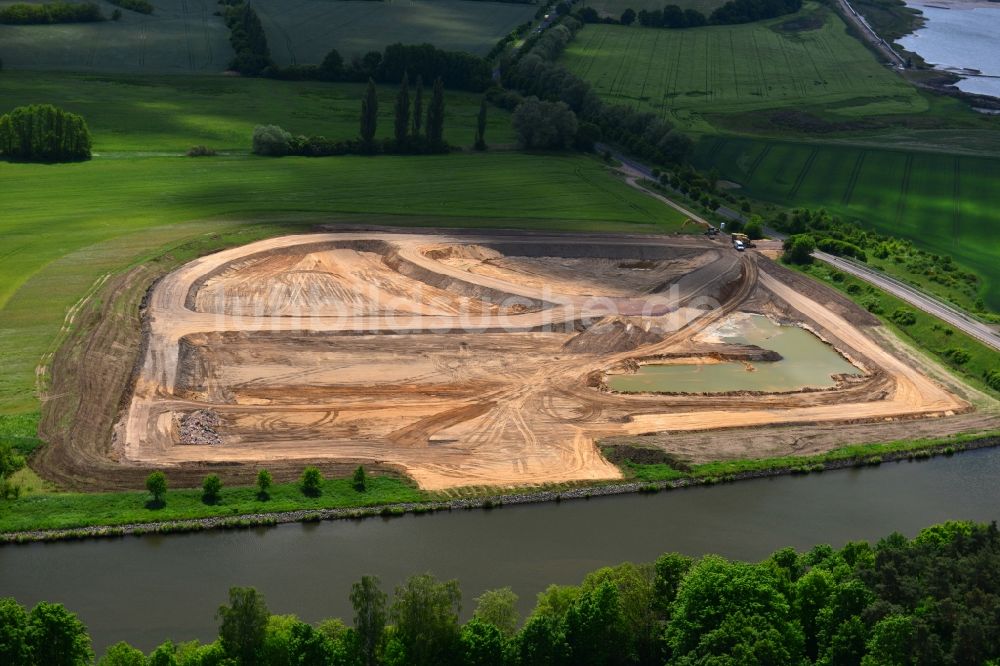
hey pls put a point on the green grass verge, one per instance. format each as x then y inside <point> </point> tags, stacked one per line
<point>866,453</point>
<point>944,203</point>
<point>66,510</point>
<point>927,333</point>
<point>20,432</point>
<point>151,114</point>
<point>687,74</point>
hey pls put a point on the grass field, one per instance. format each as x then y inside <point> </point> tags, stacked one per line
<point>64,226</point>
<point>945,203</point>
<point>179,37</point>
<point>304,31</point>
<point>186,37</point>
<point>172,113</point>
<point>686,75</point>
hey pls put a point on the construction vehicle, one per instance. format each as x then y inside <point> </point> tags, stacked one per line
<point>743,239</point>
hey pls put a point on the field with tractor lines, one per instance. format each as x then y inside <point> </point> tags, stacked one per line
<point>303,31</point>
<point>179,37</point>
<point>807,60</point>
<point>944,203</point>
<point>186,36</point>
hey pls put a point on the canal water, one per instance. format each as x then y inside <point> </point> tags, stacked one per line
<point>148,589</point>
<point>806,362</point>
<point>959,36</point>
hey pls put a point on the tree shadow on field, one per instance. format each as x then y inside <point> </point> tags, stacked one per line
<point>155,504</point>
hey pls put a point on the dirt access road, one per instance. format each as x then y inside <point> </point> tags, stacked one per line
<point>467,360</point>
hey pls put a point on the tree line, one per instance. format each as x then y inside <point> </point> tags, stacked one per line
<point>310,484</point>
<point>532,70</point>
<point>456,69</point>
<point>44,133</point>
<point>934,599</point>
<point>414,132</point>
<point>674,17</point>
<point>22,13</point>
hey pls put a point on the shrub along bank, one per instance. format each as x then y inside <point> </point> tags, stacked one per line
<point>927,600</point>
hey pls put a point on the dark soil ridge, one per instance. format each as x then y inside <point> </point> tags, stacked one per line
<point>486,502</point>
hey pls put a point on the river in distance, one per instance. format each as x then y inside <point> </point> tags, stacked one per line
<point>960,36</point>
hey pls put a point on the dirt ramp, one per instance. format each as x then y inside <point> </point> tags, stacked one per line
<point>614,334</point>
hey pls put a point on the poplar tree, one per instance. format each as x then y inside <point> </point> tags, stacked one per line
<point>481,126</point>
<point>369,115</point>
<point>402,112</point>
<point>418,106</point>
<point>435,116</point>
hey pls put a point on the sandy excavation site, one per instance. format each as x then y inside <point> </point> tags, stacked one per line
<point>465,360</point>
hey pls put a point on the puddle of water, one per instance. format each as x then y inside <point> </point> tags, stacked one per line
<point>806,362</point>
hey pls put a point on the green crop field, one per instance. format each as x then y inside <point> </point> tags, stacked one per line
<point>616,7</point>
<point>945,203</point>
<point>688,74</point>
<point>170,114</point>
<point>179,37</point>
<point>304,31</point>
<point>185,36</point>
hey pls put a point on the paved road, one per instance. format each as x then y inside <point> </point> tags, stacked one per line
<point>634,170</point>
<point>851,15</point>
<point>982,332</point>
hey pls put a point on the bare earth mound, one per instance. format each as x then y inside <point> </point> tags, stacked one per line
<point>471,360</point>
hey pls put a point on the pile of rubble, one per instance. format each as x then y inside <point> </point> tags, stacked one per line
<point>199,427</point>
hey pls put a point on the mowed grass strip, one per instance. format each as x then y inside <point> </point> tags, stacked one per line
<point>172,113</point>
<point>46,511</point>
<point>945,204</point>
<point>303,31</point>
<point>685,74</point>
<point>67,225</point>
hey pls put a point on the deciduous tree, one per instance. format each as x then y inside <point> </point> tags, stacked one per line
<point>369,602</point>
<point>425,614</point>
<point>56,637</point>
<point>499,608</point>
<point>156,484</point>
<point>242,625</point>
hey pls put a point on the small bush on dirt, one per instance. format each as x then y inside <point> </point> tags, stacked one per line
<point>312,482</point>
<point>201,151</point>
<point>264,481</point>
<point>156,484</point>
<point>211,489</point>
<point>360,479</point>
